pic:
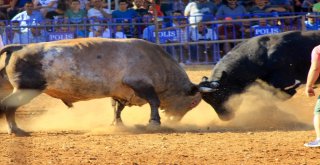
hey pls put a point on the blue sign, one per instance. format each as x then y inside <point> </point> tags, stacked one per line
<point>54,36</point>
<point>266,30</point>
<point>166,35</point>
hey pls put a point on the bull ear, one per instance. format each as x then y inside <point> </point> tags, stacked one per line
<point>204,79</point>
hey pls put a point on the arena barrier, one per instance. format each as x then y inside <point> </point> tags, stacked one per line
<point>189,43</point>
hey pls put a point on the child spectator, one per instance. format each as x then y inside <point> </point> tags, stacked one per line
<point>119,32</point>
<point>58,13</point>
<point>101,32</point>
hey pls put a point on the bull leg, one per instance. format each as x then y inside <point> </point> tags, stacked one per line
<point>10,105</point>
<point>147,92</point>
<point>118,106</point>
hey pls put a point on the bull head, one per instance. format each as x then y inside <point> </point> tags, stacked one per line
<point>216,95</point>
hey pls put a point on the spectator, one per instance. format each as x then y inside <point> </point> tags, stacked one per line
<point>307,5</point>
<point>119,32</point>
<point>178,5</point>
<point>311,23</point>
<point>176,16</point>
<point>16,6</point>
<point>140,8</point>
<point>231,9</point>
<point>11,34</point>
<point>102,32</point>
<point>157,8</point>
<point>75,15</point>
<point>97,12</point>
<point>282,3</point>
<point>45,5</point>
<point>200,11</point>
<point>202,52</point>
<point>35,35</point>
<point>316,6</point>
<point>261,7</point>
<point>124,14</point>
<point>4,5</point>
<point>228,31</point>
<point>58,13</point>
<point>149,31</point>
<point>297,6</point>
<point>182,53</point>
<point>28,16</point>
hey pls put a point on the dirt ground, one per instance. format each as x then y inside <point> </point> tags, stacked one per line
<point>264,131</point>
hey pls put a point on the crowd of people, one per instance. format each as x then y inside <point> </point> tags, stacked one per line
<point>29,21</point>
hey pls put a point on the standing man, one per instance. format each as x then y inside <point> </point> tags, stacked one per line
<point>28,17</point>
<point>200,11</point>
<point>313,75</point>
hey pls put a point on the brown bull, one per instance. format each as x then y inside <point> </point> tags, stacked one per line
<point>133,72</point>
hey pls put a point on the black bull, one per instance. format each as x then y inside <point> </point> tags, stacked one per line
<point>278,60</point>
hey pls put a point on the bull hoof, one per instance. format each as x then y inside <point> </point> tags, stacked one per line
<point>117,123</point>
<point>226,116</point>
<point>154,125</point>
<point>19,132</point>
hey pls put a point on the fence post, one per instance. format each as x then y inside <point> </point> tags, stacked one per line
<point>303,25</point>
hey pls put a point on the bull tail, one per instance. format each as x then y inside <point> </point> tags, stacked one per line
<point>8,49</point>
<point>11,48</point>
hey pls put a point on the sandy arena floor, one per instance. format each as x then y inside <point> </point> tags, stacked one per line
<point>265,131</point>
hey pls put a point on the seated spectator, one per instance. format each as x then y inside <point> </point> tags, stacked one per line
<point>119,32</point>
<point>149,31</point>
<point>101,32</point>
<point>202,52</point>
<point>316,6</point>
<point>59,12</point>
<point>178,5</point>
<point>45,5</point>
<point>182,52</point>
<point>11,34</point>
<point>200,11</point>
<point>307,5</point>
<point>176,17</point>
<point>261,7</point>
<point>75,15</point>
<point>35,35</point>
<point>282,3</point>
<point>98,12</point>
<point>228,31</point>
<point>311,23</point>
<point>123,13</point>
<point>16,6</point>
<point>28,16</point>
<point>231,9</point>
<point>140,8</point>
<point>157,8</point>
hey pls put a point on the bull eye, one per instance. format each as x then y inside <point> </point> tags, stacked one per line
<point>193,90</point>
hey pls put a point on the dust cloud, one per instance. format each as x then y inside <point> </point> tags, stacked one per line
<point>256,109</point>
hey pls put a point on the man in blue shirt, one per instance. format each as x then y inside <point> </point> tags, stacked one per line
<point>28,17</point>
<point>123,13</point>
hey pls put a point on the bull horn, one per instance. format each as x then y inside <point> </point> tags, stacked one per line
<point>214,84</point>
<point>206,89</point>
<point>11,48</point>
